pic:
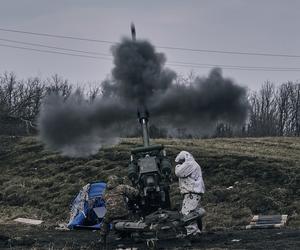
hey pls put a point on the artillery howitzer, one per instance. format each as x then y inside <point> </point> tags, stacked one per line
<point>150,171</point>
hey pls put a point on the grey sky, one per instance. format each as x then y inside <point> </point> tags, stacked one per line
<point>268,26</point>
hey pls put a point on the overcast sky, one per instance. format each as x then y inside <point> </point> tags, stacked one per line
<point>264,26</point>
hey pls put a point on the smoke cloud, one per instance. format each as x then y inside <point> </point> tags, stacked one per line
<point>77,127</point>
<point>202,102</point>
<point>139,78</point>
<point>139,73</point>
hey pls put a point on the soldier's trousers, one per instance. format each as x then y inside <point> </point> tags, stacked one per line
<point>190,203</point>
<point>105,226</point>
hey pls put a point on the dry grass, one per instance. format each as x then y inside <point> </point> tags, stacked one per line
<point>264,173</point>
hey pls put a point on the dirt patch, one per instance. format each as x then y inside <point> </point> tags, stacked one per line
<point>28,237</point>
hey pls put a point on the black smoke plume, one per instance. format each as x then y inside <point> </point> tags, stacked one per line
<point>78,127</point>
<point>139,73</point>
<point>202,103</point>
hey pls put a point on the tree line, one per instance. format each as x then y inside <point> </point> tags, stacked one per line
<point>274,110</point>
<point>20,100</point>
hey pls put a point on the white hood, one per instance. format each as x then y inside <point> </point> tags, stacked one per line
<point>189,174</point>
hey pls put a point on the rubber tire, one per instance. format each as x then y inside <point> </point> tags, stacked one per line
<point>152,244</point>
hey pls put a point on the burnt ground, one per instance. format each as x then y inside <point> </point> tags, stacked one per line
<point>16,236</point>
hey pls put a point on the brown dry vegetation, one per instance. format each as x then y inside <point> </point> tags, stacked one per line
<point>264,173</point>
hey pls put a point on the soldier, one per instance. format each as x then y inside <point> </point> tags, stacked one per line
<point>115,202</point>
<point>191,185</point>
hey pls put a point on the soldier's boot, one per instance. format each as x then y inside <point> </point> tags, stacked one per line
<point>103,233</point>
<point>102,242</point>
<point>199,224</point>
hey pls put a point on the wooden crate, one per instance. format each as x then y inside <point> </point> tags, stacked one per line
<point>267,221</point>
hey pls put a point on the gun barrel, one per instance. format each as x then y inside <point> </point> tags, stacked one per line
<point>144,124</point>
<point>133,33</point>
<point>143,118</point>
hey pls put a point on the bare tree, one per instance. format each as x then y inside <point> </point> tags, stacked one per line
<point>59,86</point>
<point>19,101</point>
<point>283,109</point>
<point>294,93</point>
<point>262,118</point>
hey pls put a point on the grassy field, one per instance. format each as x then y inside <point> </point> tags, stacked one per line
<point>242,176</point>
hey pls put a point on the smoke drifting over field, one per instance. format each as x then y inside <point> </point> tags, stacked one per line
<point>77,127</point>
<point>139,79</point>
<point>202,103</point>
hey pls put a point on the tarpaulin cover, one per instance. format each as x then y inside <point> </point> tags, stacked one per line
<point>88,208</point>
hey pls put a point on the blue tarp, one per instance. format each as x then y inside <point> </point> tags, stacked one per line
<point>88,208</point>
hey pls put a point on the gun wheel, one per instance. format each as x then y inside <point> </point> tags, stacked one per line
<point>152,244</point>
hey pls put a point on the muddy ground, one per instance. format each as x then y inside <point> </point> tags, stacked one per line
<point>18,237</point>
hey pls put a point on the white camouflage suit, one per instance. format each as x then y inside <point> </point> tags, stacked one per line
<point>191,185</point>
